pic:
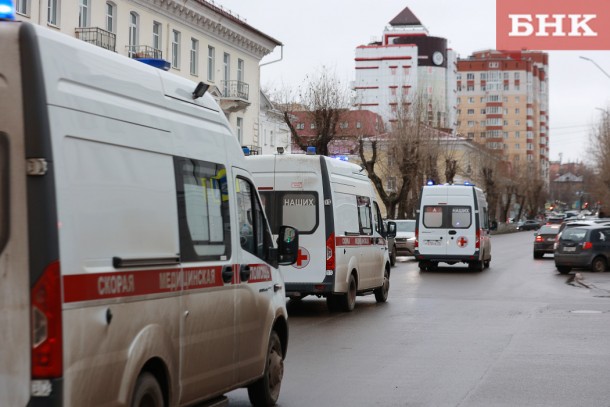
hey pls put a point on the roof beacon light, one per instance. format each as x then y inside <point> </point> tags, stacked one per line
<point>7,10</point>
<point>311,150</point>
<point>430,182</point>
<point>246,150</point>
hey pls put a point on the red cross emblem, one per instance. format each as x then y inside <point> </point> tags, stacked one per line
<point>302,258</point>
<point>462,241</point>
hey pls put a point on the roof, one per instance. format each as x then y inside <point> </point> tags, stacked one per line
<point>568,177</point>
<point>405,17</point>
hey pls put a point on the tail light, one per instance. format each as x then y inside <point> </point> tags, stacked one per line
<point>330,252</point>
<point>46,325</point>
<point>587,245</point>
<point>539,238</point>
<point>416,243</point>
<point>477,242</point>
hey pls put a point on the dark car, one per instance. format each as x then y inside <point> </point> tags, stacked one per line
<point>544,241</point>
<point>583,247</point>
<point>528,225</point>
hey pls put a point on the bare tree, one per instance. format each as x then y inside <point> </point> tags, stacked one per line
<point>323,98</point>
<point>599,150</point>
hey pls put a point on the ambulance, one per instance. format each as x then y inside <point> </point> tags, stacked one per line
<point>126,277</point>
<point>452,227</point>
<point>343,250</point>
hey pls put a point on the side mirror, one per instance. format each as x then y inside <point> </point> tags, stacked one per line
<point>391,229</point>
<point>288,245</point>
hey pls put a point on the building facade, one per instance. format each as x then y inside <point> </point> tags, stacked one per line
<point>197,39</point>
<point>503,104</point>
<point>405,67</point>
<point>274,132</point>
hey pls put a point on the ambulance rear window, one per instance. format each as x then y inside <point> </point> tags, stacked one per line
<point>296,209</point>
<point>447,216</point>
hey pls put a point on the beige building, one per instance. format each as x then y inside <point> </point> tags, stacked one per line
<point>503,104</point>
<point>196,39</point>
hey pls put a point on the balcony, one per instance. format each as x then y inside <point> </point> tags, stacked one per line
<point>143,51</point>
<point>97,36</point>
<point>235,96</point>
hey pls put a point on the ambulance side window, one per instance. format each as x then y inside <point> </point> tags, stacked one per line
<point>203,210</point>
<point>378,219</point>
<point>364,215</point>
<point>254,235</point>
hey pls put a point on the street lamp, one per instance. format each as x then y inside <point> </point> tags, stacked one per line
<point>595,63</point>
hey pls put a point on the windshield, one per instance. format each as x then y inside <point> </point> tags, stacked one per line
<point>296,209</point>
<point>405,226</point>
<point>548,230</point>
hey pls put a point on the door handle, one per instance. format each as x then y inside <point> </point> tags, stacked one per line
<point>244,272</point>
<point>452,232</point>
<point>227,274</point>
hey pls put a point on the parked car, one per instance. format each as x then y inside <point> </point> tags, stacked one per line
<point>544,241</point>
<point>583,247</point>
<point>529,224</point>
<point>405,237</point>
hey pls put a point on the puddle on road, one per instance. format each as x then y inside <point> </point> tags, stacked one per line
<point>586,311</point>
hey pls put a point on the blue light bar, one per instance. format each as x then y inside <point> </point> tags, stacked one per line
<point>430,182</point>
<point>311,150</point>
<point>246,150</point>
<point>157,63</point>
<point>7,10</point>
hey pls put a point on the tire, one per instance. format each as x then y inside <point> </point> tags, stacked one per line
<point>599,264</point>
<point>348,300</point>
<point>147,392</point>
<point>564,269</point>
<point>393,256</point>
<point>538,255</point>
<point>423,265</point>
<point>433,266</point>
<point>266,390</point>
<point>332,302</point>
<point>381,293</point>
<point>478,265</point>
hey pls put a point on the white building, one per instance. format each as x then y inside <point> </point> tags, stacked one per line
<point>407,63</point>
<point>274,132</point>
<point>199,39</point>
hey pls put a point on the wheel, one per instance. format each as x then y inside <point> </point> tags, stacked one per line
<point>538,255</point>
<point>393,256</point>
<point>564,269</point>
<point>381,293</point>
<point>147,392</point>
<point>433,266</point>
<point>423,265</point>
<point>478,265</point>
<point>348,300</point>
<point>599,264</point>
<point>266,390</point>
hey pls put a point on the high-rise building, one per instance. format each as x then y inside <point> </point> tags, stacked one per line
<point>503,103</point>
<point>407,65</point>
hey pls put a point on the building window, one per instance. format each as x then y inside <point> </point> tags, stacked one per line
<point>156,35</point>
<point>517,146</point>
<point>194,56</point>
<point>22,7</point>
<point>211,63</point>
<point>343,125</point>
<point>110,17</point>
<point>175,49</point>
<point>470,100</point>
<point>517,134</point>
<point>240,129</point>
<point>517,111</point>
<point>226,72</point>
<point>517,76</point>
<point>83,13</point>
<point>52,12</point>
<point>470,111</point>
<point>470,76</point>
<point>517,122</point>
<point>240,70</point>
<point>493,65</point>
<point>358,125</point>
<point>312,126</point>
<point>133,34</point>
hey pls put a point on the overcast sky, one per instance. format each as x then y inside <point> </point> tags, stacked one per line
<point>318,33</point>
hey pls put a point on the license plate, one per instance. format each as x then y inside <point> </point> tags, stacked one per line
<point>569,249</point>
<point>432,242</point>
<point>550,239</point>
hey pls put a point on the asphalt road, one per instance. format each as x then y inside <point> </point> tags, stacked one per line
<point>516,334</point>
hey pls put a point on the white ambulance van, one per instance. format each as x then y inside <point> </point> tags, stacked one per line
<point>452,227</point>
<point>125,278</point>
<point>343,251</point>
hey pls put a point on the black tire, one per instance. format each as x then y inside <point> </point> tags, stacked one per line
<point>433,266</point>
<point>423,265</point>
<point>332,302</point>
<point>147,392</point>
<point>381,293</point>
<point>599,264</point>
<point>393,256</point>
<point>348,300</point>
<point>478,265</point>
<point>538,255</point>
<point>564,269</point>
<point>266,390</point>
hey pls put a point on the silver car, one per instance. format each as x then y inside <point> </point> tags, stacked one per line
<point>405,237</point>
